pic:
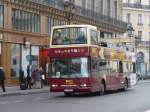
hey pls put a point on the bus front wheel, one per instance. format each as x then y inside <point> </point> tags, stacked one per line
<point>102,89</point>
<point>68,93</point>
<point>125,85</point>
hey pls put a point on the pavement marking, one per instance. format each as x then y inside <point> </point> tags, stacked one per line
<point>4,102</point>
<point>147,111</point>
<point>18,101</point>
<point>10,102</point>
<point>38,98</point>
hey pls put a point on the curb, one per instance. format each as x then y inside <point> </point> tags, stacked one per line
<point>24,92</point>
<point>144,81</point>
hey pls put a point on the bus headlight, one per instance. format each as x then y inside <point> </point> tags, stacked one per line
<point>83,85</point>
<point>54,85</point>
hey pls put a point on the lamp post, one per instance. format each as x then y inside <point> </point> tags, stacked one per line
<point>69,8</point>
<point>130,31</point>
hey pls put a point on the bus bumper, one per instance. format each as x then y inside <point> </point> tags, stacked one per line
<point>74,90</point>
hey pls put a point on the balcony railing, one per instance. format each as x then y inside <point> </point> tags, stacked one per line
<point>144,43</point>
<point>136,5</point>
<point>84,12</point>
<point>99,17</point>
<point>53,3</point>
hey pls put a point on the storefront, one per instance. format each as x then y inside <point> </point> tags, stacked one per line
<point>15,54</point>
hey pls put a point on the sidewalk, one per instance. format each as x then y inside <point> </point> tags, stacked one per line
<point>15,90</point>
<point>144,81</point>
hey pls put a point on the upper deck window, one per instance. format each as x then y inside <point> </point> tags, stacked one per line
<point>70,35</point>
<point>94,38</point>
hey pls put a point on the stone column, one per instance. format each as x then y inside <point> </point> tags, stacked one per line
<point>43,24</point>
<point>7,16</point>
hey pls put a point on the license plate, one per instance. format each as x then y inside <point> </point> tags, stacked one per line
<point>69,82</point>
<point>68,90</point>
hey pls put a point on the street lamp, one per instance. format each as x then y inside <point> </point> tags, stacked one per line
<point>130,30</point>
<point>69,8</point>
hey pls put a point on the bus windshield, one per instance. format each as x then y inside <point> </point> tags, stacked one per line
<point>69,68</point>
<point>69,35</point>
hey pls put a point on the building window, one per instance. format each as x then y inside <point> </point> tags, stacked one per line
<point>93,5</point>
<point>126,1</point>
<point>25,21</point>
<point>138,2</point>
<point>115,6</point>
<point>101,6</point>
<point>1,16</point>
<point>140,35</point>
<point>84,3</point>
<point>128,18</point>
<point>108,8</point>
<point>149,20</point>
<point>15,60</point>
<point>53,22</point>
<point>140,23</point>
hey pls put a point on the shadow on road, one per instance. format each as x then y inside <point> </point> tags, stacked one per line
<point>82,95</point>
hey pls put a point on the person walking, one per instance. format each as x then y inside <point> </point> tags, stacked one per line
<point>42,76</point>
<point>37,79</point>
<point>2,79</point>
<point>22,80</point>
<point>21,76</point>
<point>29,84</point>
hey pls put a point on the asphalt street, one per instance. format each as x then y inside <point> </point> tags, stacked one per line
<point>136,99</point>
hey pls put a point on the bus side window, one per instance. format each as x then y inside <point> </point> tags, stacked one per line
<point>120,67</point>
<point>125,67</point>
<point>94,39</point>
<point>102,65</point>
<point>94,65</point>
<point>115,67</point>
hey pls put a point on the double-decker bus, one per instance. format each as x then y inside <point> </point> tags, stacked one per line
<point>79,64</point>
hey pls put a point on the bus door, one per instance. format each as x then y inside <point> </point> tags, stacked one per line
<point>104,71</point>
<point>121,72</point>
<point>95,81</point>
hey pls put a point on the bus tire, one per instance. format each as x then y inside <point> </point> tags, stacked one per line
<point>125,84</point>
<point>68,93</point>
<point>103,88</point>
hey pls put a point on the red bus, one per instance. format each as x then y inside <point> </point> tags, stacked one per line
<point>78,64</point>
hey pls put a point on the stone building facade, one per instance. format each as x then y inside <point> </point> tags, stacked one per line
<point>25,27</point>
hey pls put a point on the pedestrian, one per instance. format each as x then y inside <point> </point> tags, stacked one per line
<point>29,84</point>
<point>21,76</point>
<point>37,79</point>
<point>22,80</point>
<point>2,79</point>
<point>28,69</point>
<point>42,76</point>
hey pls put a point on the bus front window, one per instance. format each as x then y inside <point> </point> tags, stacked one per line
<point>69,68</point>
<point>70,35</point>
